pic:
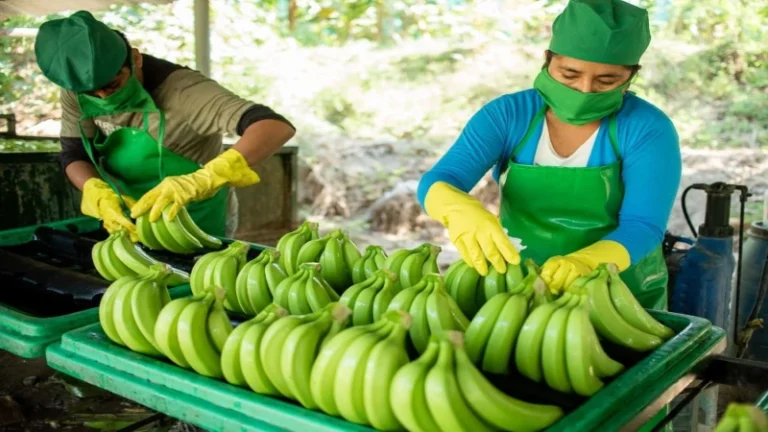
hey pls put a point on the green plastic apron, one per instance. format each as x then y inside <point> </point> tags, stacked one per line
<point>559,210</point>
<point>136,162</point>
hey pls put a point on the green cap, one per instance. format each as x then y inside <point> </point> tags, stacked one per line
<point>601,31</point>
<point>79,53</point>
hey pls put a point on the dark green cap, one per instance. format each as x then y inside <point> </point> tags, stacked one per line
<point>601,31</point>
<point>79,53</point>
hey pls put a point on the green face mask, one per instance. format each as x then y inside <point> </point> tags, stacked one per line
<point>575,107</point>
<point>130,97</point>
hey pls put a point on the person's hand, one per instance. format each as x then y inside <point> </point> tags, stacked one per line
<point>228,169</point>
<point>559,272</point>
<point>101,202</point>
<point>475,232</point>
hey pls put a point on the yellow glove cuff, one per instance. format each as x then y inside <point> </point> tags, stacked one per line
<point>442,197</point>
<point>231,168</point>
<point>93,190</point>
<point>603,251</point>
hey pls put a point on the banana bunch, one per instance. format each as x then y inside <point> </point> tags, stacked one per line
<point>432,310</point>
<point>241,356</point>
<point>743,418</point>
<point>257,280</point>
<point>290,244</point>
<point>491,336</point>
<point>220,269</point>
<point>558,344</point>
<point>290,347</point>
<point>353,372</point>
<point>373,259</point>
<point>117,257</point>
<point>442,390</point>
<point>304,292</point>
<point>180,235</point>
<point>130,307</point>
<point>410,265</point>
<point>191,332</point>
<point>471,290</point>
<point>616,313</point>
<point>336,254</point>
<point>369,299</point>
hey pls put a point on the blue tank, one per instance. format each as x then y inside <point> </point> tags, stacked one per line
<point>754,254</point>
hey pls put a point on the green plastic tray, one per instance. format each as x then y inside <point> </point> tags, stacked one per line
<point>27,336</point>
<point>88,355</point>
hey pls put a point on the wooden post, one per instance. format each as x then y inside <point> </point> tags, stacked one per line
<point>202,37</point>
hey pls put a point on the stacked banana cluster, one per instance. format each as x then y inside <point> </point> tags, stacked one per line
<point>554,339</point>
<point>117,257</point>
<point>433,311</point>
<point>370,298</point>
<point>471,290</point>
<point>442,390</point>
<point>179,235</point>
<point>743,418</point>
<point>130,306</point>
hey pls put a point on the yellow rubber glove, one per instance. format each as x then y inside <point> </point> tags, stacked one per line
<point>228,169</point>
<point>101,202</point>
<point>560,271</point>
<point>475,232</point>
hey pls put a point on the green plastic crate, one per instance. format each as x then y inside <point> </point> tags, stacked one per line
<point>27,336</point>
<point>215,405</point>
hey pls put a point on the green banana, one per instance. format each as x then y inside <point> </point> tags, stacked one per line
<point>201,236</point>
<point>438,308</point>
<point>312,250</point>
<point>324,370</point>
<point>609,323</point>
<point>348,387</point>
<point>411,269</point>
<point>631,310</point>
<point>333,263</point>
<point>604,365</point>
<point>404,298</point>
<point>107,304</point>
<point>196,345</point>
<point>145,233</point>
<point>449,406</point>
<point>419,330</point>
<point>291,245</point>
<point>250,355</point>
<point>407,394</point>
<point>184,238</point>
<point>225,277</point>
<point>553,354</point>
<point>166,333</point>
<point>231,367</point>
<point>528,347</point>
<point>251,271</point>
<point>505,335</point>
<point>125,322</point>
<point>394,263</point>
<point>384,360</point>
<point>147,300</point>
<point>219,326</point>
<point>272,270</point>
<point>493,406</point>
<point>350,295</point>
<point>198,281</point>
<point>464,290</point>
<point>98,261</point>
<point>479,330</point>
<point>111,262</point>
<point>350,251</point>
<point>373,259</point>
<point>166,239</point>
<point>272,345</point>
<point>138,261</point>
<point>581,373</point>
<point>301,348</point>
<point>385,295</point>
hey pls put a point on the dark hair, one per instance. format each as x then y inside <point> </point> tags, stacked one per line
<point>550,54</point>
<point>128,56</point>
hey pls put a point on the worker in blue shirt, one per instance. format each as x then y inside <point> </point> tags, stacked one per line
<point>588,171</point>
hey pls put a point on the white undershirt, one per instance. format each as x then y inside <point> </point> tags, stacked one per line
<point>546,154</point>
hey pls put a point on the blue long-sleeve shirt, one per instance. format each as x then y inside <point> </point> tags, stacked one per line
<point>648,147</point>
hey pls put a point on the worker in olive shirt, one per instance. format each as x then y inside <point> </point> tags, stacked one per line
<point>142,134</point>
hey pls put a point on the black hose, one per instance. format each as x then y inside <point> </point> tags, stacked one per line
<point>685,210</point>
<point>743,198</point>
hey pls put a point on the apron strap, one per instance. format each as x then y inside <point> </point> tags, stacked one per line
<point>88,145</point>
<point>531,127</point>
<point>613,134</point>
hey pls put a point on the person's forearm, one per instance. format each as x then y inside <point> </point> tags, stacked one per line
<point>262,139</point>
<point>79,172</point>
